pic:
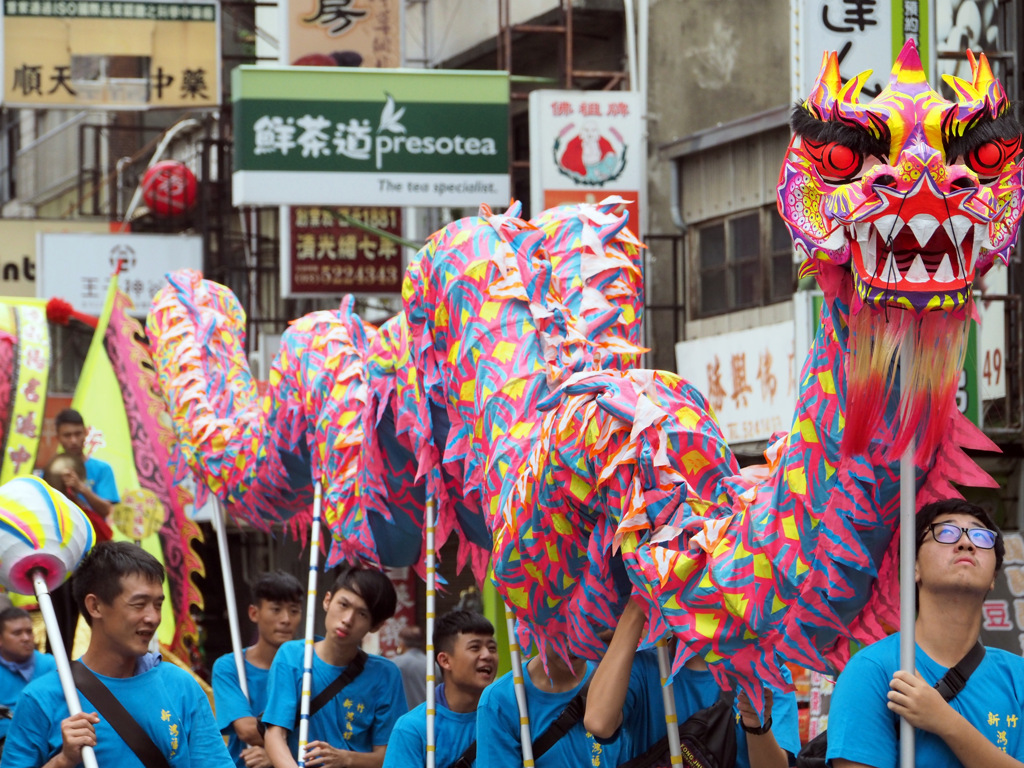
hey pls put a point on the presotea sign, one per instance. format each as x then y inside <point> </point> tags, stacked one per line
<point>323,136</point>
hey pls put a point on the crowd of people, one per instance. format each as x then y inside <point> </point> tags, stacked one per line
<point>368,711</point>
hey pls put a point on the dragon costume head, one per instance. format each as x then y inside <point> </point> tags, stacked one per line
<point>898,205</point>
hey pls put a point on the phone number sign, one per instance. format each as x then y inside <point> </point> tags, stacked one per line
<point>328,255</point>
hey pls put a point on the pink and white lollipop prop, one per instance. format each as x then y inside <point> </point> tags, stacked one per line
<point>43,538</point>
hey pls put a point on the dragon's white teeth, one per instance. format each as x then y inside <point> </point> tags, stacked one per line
<point>923,226</point>
<point>957,228</point>
<point>944,274</point>
<point>891,273</point>
<point>862,231</point>
<point>918,272</point>
<point>981,238</point>
<point>868,250</point>
<point>888,226</point>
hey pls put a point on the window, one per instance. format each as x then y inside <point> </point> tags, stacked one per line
<point>743,261</point>
<point>10,143</point>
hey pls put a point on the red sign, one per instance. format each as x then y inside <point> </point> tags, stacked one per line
<point>329,255</point>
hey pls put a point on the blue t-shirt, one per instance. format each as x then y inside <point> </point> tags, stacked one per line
<point>861,727</point>
<point>100,477</point>
<point>165,701</point>
<point>643,715</point>
<point>497,728</point>
<point>12,684</point>
<point>358,718</point>
<point>230,703</point>
<point>453,733</point>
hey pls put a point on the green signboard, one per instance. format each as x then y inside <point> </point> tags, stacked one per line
<point>968,393</point>
<point>328,136</point>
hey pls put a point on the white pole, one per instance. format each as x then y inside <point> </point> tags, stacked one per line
<point>60,655</point>
<point>307,657</point>
<point>525,740</point>
<point>220,529</point>
<point>668,698</point>
<point>431,704</point>
<point>631,44</point>
<point>908,553</point>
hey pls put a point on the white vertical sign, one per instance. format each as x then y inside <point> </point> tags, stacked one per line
<point>585,146</point>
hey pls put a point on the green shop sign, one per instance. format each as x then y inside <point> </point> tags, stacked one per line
<point>326,136</point>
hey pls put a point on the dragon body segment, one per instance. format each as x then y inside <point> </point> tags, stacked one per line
<point>508,391</point>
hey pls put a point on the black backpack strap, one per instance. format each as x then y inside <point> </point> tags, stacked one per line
<point>466,758</point>
<point>352,671</point>
<point>117,716</point>
<point>569,716</point>
<point>956,678</point>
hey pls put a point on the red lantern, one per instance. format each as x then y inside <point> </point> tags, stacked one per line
<point>169,188</point>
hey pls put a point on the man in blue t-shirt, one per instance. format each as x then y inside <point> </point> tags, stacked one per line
<point>276,610</point>
<point>119,589</point>
<point>547,695</point>
<point>959,552</point>
<point>20,662</point>
<point>99,489</point>
<point>353,728</point>
<point>468,657</point>
<point>626,700</point>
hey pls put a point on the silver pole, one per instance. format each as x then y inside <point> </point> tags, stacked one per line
<point>525,741</point>
<point>668,698</point>
<point>908,552</point>
<point>307,655</point>
<point>229,596</point>
<point>431,607</point>
<point>60,655</point>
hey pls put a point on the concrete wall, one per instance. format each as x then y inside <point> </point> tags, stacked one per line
<point>710,63</point>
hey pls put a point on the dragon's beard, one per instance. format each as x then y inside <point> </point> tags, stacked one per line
<point>926,404</point>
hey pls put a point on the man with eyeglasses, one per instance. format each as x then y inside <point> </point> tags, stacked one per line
<point>959,551</point>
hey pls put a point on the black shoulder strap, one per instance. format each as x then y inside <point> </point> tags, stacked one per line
<point>352,671</point>
<point>569,716</point>
<point>466,758</point>
<point>117,716</point>
<point>956,678</point>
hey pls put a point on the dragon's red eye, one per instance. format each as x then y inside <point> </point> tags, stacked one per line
<point>990,158</point>
<point>834,161</point>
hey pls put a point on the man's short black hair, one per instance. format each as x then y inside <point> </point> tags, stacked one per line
<point>458,622</point>
<point>68,416</point>
<point>927,514</point>
<point>12,614</point>
<point>373,586</point>
<point>102,569</point>
<point>277,587</point>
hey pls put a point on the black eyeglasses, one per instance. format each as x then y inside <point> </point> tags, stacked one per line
<point>951,533</point>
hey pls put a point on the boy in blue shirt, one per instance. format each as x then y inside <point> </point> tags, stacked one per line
<point>626,699</point>
<point>20,662</point>
<point>468,657</point>
<point>959,552</point>
<point>353,728</point>
<point>276,610</point>
<point>99,489</point>
<point>119,590</point>
<point>547,695</point>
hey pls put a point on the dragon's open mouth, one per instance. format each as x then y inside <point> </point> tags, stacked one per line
<point>918,254</point>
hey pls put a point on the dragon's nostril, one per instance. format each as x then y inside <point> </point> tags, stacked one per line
<point>885,180</point>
